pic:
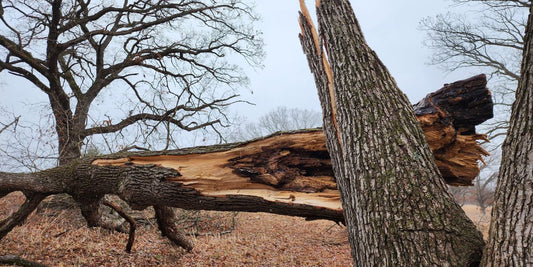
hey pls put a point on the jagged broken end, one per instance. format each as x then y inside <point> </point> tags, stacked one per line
<point>449,117</point>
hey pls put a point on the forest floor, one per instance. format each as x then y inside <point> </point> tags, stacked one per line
<point>59,237</point>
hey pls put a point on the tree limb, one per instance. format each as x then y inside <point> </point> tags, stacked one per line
<point>16,260</point>
<point>129,219</point>
<point>31,203</point>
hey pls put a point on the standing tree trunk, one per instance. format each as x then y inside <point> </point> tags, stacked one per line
<point>396,205</point>
<point>70,140</point>
<point>511,231</point>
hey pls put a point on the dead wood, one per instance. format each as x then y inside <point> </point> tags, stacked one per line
<point>18,261</point>
<point>129,219</point>
<point>166,219</point>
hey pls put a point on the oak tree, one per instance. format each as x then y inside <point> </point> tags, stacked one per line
<point>396,205</point>
<point>169,58</point>
<point>511,230</point>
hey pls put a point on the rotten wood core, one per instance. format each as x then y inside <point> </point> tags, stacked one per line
<point>295,168</point>
<point>292,168</point>
<point>449,117</point>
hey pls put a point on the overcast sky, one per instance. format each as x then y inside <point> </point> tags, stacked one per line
<point>390,27</point>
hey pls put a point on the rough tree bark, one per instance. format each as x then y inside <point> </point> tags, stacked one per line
<point>397,208</point>
<point>511,232</point>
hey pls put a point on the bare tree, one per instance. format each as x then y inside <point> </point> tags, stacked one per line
<point>511,229</point>
<point>460,194</point>
<point>481,194</point>
<point>168,59</point>
<point>286,119</point>
<point>279,119</point>
<point>490,37</point>
<point>484,191</point>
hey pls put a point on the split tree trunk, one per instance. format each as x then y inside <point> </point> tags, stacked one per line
<point>286,173</point>
<point>397,208</point>
<point>511,231</point>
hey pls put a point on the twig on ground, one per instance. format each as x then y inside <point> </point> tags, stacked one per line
<point>16,260</point>
<point>129,219</point>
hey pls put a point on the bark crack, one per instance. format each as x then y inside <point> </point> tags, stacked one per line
<point>320,48</point>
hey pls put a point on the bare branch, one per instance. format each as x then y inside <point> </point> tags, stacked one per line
<point>5,126</point>
<point>25,56</point>
<point>129,219</point>
<point>32,200</point>
<point>168,116</point>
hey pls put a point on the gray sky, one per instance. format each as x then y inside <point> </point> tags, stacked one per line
<point>391,29</point>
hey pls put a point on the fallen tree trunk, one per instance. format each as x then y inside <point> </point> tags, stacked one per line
<point>285,173</point>
<point>448,118</point>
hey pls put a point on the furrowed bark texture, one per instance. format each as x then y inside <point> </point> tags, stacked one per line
<point>396,205</point>
<point>511,232</point>
<point>166,219</point>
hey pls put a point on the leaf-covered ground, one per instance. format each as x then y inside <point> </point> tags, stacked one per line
<point>60,238</point>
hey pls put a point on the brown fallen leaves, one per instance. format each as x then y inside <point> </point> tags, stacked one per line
<point>60,238</point>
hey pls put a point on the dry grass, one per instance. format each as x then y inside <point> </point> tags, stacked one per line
<point>482,221</point>
<point>60,238</point>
